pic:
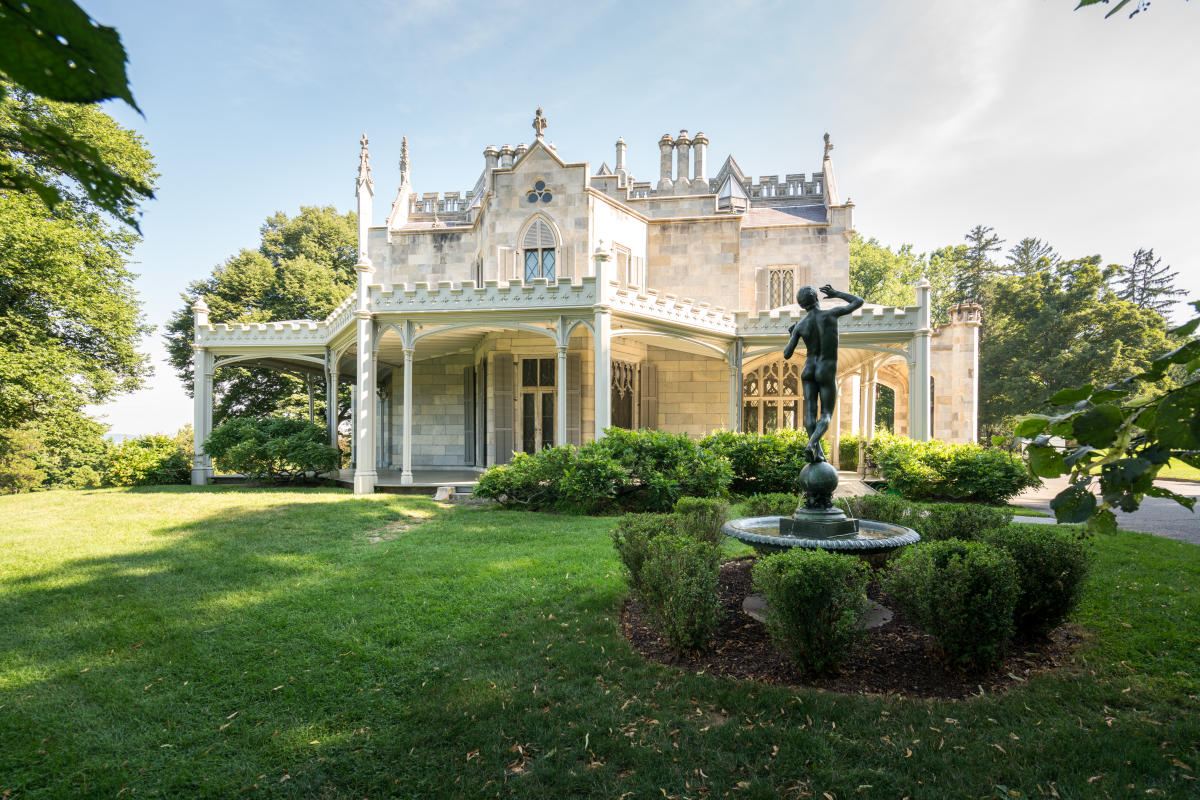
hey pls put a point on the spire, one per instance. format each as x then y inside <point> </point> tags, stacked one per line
<point>404,165</point>
<point>364,167</point>
<point>539,123</point>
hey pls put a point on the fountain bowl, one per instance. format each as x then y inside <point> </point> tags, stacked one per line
<point>874,541</point>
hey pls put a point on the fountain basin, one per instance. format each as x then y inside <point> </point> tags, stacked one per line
<point>874,540</point>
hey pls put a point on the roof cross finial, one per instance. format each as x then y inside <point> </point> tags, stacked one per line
<point>539,123</point>
<point>828,145</point>
<point>404,158</point>
<point>364,163</point>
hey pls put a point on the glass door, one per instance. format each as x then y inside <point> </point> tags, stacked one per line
<point>538,404</point>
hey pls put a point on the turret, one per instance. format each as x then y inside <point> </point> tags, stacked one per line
<point>365,191</point>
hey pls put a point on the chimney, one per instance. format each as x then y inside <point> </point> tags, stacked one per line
<point>665,145</point>
<point>700,163</point>
<point>506,157</point>
<point>683,152</point>
<point>620,170</point>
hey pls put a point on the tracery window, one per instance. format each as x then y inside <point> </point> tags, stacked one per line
<point>771,397</point>
<point>782,286</point>
<point>623,389</point>
<point>539,246</point>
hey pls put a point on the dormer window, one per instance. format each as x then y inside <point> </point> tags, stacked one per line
<point>539,246</point>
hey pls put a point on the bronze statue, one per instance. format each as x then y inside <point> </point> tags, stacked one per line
<point>819,330</point>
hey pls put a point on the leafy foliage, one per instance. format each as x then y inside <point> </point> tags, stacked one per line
<point>963,594</point>
<point>886,278</point>
<point>848,452</point>
<point>631,539</point>
<point>934,521</point>
<point>680,588</point>
<point>939,470</point>
<point>1122,434</point>
<point>1051,567</point>
<point>767,462</point>
<point>626,470</point>
<point>19,449</point>
<point>702,518</point>
<point>302,269</point>
<point>815,600</point>
<point>150,461</point>
<point>277,449</point>
<point>771,504</point>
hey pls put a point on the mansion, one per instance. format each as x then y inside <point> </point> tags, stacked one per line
<point>553,301</point>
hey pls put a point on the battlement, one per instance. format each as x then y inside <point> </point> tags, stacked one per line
<point>792,185</point>
<point>447,203</point>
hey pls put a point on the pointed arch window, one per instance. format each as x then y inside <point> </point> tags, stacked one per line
<point>540,251</point>
<point>771,397</point>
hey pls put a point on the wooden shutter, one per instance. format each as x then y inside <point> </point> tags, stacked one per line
<point>648,417</point>
<point>481,414</point>
<point>469,415</point>
<point>762,289</point>
<point>574,405</point>
<point>502,383</point>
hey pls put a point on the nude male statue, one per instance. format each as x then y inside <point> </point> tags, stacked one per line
<point>819,330</point>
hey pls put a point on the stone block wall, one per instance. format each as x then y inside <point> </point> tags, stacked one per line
<point>693,392</point>
<point>438,412</point>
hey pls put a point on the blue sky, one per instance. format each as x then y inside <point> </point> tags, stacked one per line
<point>1029,117</point>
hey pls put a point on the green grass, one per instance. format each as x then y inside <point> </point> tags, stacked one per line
<point>1178,470</point>
<point>220,642</point>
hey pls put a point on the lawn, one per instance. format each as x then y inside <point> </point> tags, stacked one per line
<point>220,642</point>
<point>1180,471</point>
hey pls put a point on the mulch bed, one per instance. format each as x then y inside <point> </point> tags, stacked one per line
<point>895,658</point>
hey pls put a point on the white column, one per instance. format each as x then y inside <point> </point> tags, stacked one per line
<point>919,371</point>
<point>602,341</point>
<point>560,395</point>
<point>331,406</point>
<point>202,377</point>
<point>308,384</point>
<point>406,475</point>
<point>872,393</point>
<point>364,407</point>
<point>834,434</point>
<point>735,386</point>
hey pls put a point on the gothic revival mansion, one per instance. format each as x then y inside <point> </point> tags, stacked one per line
<point>554,300</point>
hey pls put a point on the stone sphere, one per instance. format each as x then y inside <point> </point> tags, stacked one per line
<point>820,477</point>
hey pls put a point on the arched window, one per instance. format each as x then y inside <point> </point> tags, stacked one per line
<point>539,246</point>
<point>771,397</point>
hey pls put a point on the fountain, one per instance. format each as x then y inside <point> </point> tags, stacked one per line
<point>817,523</point>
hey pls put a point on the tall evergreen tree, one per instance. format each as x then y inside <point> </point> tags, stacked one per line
<point>1148,283</point>
<point>976,266</point>
<point>1031,256</point>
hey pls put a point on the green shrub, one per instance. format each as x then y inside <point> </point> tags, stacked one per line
<point>815,600</point>
<point>632,537</point>
<point>19,470</point>
<point>773,504</point>
<point>626,470</point>
<point>969,522</point>
<point>941,471</point>
<point>848,452</point>
<point>878,507</point>
<point>1051,567</point>
<point>701,518</point>
<point>761,463</point>
<point>963,594</point>
<point>680,588</point>
<point>277,449</point>
<point>148,461</point>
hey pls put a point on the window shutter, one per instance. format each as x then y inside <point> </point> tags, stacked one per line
<point>481,414</point>
<point>469,415</point>
<point>538,236</point>
<point>648,417</point>
<point>762,290</point>
<point>502,382</point>
<point>574,406</point>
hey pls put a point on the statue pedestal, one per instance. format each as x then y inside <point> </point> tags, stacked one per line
<point>809,523</point>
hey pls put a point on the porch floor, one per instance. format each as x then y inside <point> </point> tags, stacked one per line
<point>425,481</point>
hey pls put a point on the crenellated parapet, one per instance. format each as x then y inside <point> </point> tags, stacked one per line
<point>869,319</point>
<point>791,185</point>
<point>415,298</point>
<point>292,332</point>
<point>440,203</point>
<point>666,307</point>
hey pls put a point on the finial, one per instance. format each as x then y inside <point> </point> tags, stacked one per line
<point>364,163</point>
<point>828,145</point>
<point>539,123</point>
<point>404,158</point>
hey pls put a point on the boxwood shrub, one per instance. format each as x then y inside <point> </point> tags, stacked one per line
<point>1051,566</point>
<point>680,589</point>
<point>815,600</point>
<point>963,594</point>
<point>762,463</point>
<point>772,504</point>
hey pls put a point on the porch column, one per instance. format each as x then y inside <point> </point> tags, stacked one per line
<point>202,380</point>
<point>364,408</point>
<point>602,324</point>
<point>735,387</point>
<point>560,396</point>
<point>406,476</point>
<point>919,391</point>
<point>872,395</point>
<point>331,406</point>
<point>835,431</point>
<point>308,384</point>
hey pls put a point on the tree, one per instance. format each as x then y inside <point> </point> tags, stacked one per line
<point>303,267</point>
<point>1058,328</point>
<point>1121,435</point>
<point>52,49</point>
<point>887,278</point>
<point>975,267</point>
<point>1144,283</point>
<point>1030,256</point>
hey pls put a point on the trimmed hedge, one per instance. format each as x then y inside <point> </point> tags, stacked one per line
<point>815,600</point>
<point>701,518</point>
<point>934,521</point>
<point>941,471</point>
<point>768,462</point>
<point>1052,567</point>
<point>626,470</point>
<point>963,594</point>
<point>774,504</point>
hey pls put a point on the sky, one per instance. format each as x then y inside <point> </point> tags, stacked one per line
<point>1025,115</point>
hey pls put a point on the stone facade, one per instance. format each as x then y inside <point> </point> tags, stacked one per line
<point>553,300</point>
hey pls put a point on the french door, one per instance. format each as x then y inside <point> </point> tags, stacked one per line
<point>538,403</point>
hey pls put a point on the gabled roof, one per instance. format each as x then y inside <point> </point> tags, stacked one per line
<point>730,167</point>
